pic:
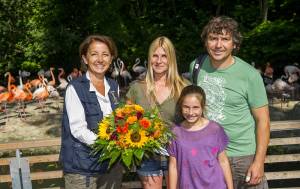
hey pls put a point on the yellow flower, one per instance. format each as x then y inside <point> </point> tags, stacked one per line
<point>138,108</point>
<point>119,112</point>
<point>157,125</point>
<point>121,142</point>
<point>126,110</point>
<point>136,139</point>
<point>131,119</point>
<point>104,132</point>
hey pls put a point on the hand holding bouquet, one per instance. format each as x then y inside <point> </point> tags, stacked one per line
<point>129,134</point>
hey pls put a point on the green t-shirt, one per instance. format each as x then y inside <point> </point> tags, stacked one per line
<point>231,94</point>
<point>137,94</point>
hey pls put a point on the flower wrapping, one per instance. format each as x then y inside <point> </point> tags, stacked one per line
<point>130,134</point>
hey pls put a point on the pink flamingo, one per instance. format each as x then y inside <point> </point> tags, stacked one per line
<point>41,93</point>
<point>63,82</point>
<point>7,97</point>
<point>53,81</point>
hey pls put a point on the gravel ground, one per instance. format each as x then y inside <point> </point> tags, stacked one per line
<point>37,124</point>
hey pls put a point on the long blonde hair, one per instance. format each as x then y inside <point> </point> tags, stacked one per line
<point>174,81</point>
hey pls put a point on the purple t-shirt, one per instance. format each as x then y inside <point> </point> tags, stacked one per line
<point>196,153</point>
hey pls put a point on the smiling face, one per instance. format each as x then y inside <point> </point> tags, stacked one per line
<point>191,109</point>
<point>98,58</point>
<point>220,47</point>
<point>159,61</point>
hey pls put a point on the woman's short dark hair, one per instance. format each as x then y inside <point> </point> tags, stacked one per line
<point>83,48</point>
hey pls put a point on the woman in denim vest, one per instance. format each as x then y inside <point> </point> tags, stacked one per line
<point>88,99</point>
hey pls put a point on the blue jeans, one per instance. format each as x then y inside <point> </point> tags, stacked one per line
<point>153,167</point>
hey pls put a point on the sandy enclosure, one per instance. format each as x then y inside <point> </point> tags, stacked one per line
<point>36,123</point>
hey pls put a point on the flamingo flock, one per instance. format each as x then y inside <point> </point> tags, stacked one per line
<point>124,76</point>
<point>38,90</point>
<point>47,85</point>
<point>287,85</point>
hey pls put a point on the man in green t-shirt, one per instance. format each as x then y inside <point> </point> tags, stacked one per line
<point>236,98</point>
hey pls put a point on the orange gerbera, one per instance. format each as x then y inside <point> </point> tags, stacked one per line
<point>119,113</point>
<point>145,123</point>
<point>131,119</point>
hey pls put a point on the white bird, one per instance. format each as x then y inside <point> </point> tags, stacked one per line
<point>21,86</point>
<point>53,93</point>
<point>63,82</point>
<point>279,86</point>
<point>125,74</point>
<point>139,68</point>
<point>291,69</point>
<point>116,70</point>
<point>293,78</point>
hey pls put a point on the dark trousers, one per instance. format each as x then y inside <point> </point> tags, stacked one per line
<point>239,166</point>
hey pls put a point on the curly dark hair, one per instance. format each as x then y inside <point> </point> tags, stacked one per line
<point>216,26</point>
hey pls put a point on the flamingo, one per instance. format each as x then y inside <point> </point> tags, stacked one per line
<point>293,78</point>
<point>291,69</point>
<point>124,73</point>
<point>27,88</point>
<point>116,70</point>
<point>7,97</point>
<point>20,86</point>
<point>41,93</point>
<point>291,72</point>
<point>2,88</point>
<point>74,74</point>
<point>19,96</point>
<point>63,82</point>
<point>139,69</point>
<point>36,83</point>
<point>50,73</point>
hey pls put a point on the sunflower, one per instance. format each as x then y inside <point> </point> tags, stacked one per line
<point>104,132</point>
<point>136,139</point>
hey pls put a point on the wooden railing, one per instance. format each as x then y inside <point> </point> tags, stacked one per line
<point>279,142</point>
<point>57,174</point>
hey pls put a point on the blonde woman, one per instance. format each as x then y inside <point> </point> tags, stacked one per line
<point>161,88</point>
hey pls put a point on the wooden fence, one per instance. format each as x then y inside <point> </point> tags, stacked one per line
<point>57,174</point>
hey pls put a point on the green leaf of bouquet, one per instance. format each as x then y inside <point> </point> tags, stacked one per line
<point>127,157</point>
<point>138,153</point>
<point>114,156</point>
<point>104,156</point>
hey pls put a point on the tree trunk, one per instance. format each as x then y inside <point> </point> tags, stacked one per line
<point>263,5</point>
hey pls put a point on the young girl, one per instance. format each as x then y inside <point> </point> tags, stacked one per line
<point>197,156</point>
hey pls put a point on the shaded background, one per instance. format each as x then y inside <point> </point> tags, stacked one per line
<point>37,34</point>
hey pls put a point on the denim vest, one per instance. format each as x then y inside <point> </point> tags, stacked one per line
<point>76,156</point>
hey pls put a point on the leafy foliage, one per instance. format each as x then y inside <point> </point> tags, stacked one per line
<point>48,32</point>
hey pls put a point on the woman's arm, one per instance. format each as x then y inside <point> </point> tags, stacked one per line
<point>224,163</point>
<point>173,175</point>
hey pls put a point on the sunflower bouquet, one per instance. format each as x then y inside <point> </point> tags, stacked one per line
<point>130,134</point>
